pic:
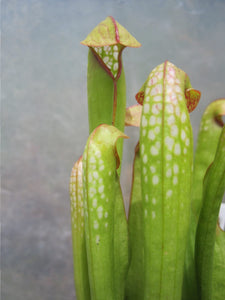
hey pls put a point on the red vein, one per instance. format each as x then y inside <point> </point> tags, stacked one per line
<point>116,30</point>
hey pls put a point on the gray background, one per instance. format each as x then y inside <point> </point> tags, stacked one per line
<point>44,115</point>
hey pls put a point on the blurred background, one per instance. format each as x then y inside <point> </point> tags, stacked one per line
<point>44,115</point>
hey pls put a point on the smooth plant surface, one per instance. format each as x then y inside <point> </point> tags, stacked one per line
<point>171,246</point>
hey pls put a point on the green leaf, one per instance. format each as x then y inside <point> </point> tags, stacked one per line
<point>106,86</point>
<point>213,190</point>
<point>210,130</point>
<point>106,80</point>
<point>78,235</point>
<point>110,32</point>
<point>166,171</point>
<point>105,219</point>
<point>134,285</point>
<point>218,282</point>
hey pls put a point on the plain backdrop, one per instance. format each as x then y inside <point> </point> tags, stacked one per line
<point>44,115</point>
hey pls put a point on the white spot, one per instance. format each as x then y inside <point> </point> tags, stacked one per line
<point>115,67</point>
<point>170,79</point>
<point>115,54</point>
<point>177,149</point>
<point>169,193</point>
<point>157,129</point>
<point>153,169</point>
<point>153,80</point>
<point>172,71</point>
<point>187,142</point>
<point>168,98</point>
<point>169,142</point>
<point>147,98</point>
<point>95,174</point>
<point>183,134</point>
<point>92,160</point>
<point>146,213</point>
<point>168,173</point>
<point>106,59</point>
<point>101,168</point>
<point>94,202</point>
<point>92,191</point>
<point>144,121</point>
<point>178,89</point>
<point>176,168</point>
<point>147,91</point>
<point>151,135</point>
<point>152,120</point>
<point>175,180</point>
<point>183,117</point>
<point>115,48</point>
<point>173,98</point>
<point>177,110</point>
<point>157,89</point>
<point>144,132</point>
<point>106,48</point>
<point>153,91</point>
<point>145,158</point>
<point>146,108</point>
<point>144,170</point>
<point>97,153</point>
<point>154,150</point>
<point>174,130</point>
<point>155,179</point>
<point>158,98</point>
<point>146,197</point>
<point>153,214</point>
<point>97,239</point>
<point>146,179</point>
<point>169,108</point>
<point>106,225</point>
<point>156,108</point>
<point>100,212</point>
<point>142,148</point>
<point>170,120</point>
<point>101,189</point>
<point>169,89</point>
<point>153,201</point>
<point>96,225</point>
<point>160,75</point>
<point>168,157</point>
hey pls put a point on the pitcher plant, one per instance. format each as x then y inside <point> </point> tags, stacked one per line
<point>171,246</point>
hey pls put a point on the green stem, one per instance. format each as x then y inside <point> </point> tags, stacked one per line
<point>213,190</point>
